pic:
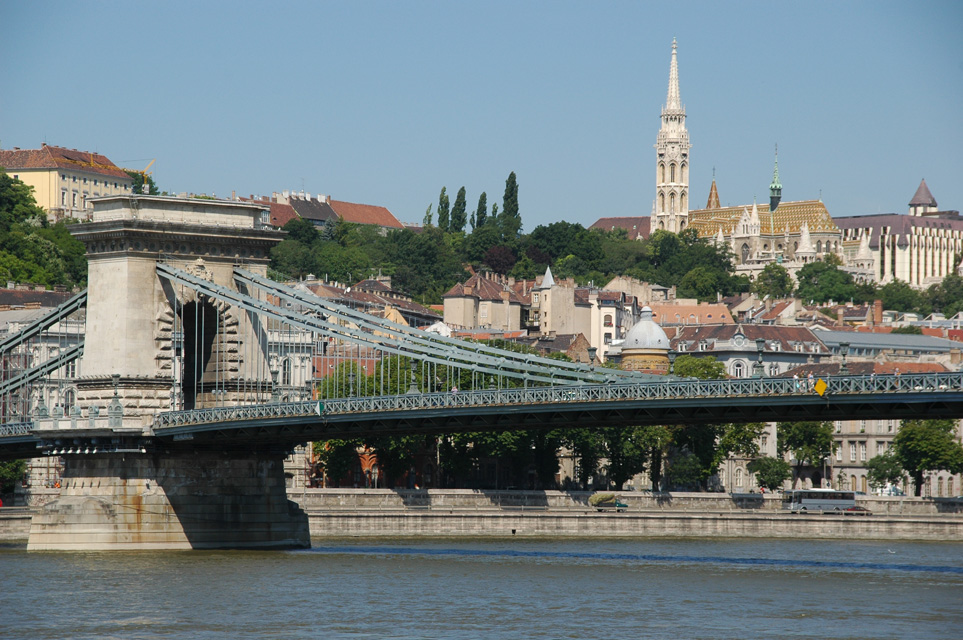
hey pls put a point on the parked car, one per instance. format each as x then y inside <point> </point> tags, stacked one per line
<point>858,511</point>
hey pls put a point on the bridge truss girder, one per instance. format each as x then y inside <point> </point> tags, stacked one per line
<point>638,412</point>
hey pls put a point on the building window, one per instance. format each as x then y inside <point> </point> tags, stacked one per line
<point>852,452</point>
<point>534,298</point>
<point>63,198</point>
<point>738,369</point>
<point>839,454</point>
<point>862,452</point>
<point>738,476</point>
<point>607,338</point>
<point>839,426</point>
<point>607,321</point>
<point>73,200</point>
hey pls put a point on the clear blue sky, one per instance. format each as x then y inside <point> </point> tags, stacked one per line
<point>386,102</point>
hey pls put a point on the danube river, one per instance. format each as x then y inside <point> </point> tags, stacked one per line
<point>512,588</point>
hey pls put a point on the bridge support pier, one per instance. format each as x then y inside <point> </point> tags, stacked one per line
<point>190,500</point>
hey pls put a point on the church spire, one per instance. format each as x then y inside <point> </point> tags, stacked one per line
<point>713,202</point>
<point>673,102</point>
<point>775,189</point>
<point>672,163</point>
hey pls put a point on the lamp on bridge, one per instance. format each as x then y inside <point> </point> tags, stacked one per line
<point>275,392</point>
<point>843,351</point>
<point>351,383</point>
<point>758,368</point>
<point>413,387</point>
<point>591,355</point>
<point>672,353</point>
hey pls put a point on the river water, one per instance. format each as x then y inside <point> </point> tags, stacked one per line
<point>512,588</point>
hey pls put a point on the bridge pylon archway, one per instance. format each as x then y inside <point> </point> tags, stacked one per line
<point>153,346</point>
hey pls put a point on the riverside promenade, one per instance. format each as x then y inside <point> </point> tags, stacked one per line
<point>362,513</point>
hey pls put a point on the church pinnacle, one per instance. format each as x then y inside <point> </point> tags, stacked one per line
<point>775,189</point>
<point>673,102</point>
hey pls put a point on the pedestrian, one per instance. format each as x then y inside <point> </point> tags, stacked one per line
<point>454,389</point>
<point>795,378</point>
<point>809,380</point>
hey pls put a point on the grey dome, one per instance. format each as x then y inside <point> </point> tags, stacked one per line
<point>646,334</point>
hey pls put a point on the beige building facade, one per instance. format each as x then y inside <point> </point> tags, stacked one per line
<point>65,181</point>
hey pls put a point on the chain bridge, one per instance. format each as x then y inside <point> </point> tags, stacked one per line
<point>183,375</point>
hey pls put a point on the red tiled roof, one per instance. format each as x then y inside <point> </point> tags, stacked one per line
<point>864,368</point>
<point>636,226</point>
<point>483,289</point>
<point>365,214</point>
<point>48,157</point>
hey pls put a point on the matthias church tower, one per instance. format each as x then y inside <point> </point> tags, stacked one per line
<point>672,164</point>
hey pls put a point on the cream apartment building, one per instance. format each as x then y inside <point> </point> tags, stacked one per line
<point>65,180</point>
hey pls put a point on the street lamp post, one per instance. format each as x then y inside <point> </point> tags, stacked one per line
<point>758,368</point>
<point>843,351</point>
<point>672,355</point>
<point>351,383</point>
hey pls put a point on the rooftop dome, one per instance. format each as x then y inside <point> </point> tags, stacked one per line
<point>646,334</point>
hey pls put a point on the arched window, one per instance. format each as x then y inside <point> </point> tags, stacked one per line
<point>672,203</point>
<point>819,246</point>
<point>662,170</point>
<point>682,202</point>
<point>739,476</point>
<point>672,172</point>
<point>286,372</point>
<point>738,369</point>
<point>745,252</point>
<point>661,203</point>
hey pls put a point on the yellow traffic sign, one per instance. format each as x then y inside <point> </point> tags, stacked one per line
<point>820,386</point>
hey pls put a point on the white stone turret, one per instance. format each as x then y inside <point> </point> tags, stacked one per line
<point>672,159</point>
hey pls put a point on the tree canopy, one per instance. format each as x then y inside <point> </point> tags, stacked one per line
<point>922,446</point>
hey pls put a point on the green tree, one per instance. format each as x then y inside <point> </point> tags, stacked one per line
<point>588,448</point>
<point>774,281</point>
<point>301,230</point>
<point>17,204</point>
<point>481,211</point>
<point>704,368</point>
<point>624,452</point>
<point>444,219</point>
<point>427,219</point>
<point>927,445</point>
<point>884,469</point>
<point>947,296</point>
<point>771,473</point>
<point>823,280</point>
<point>908,330</point>
<point>338,458</point>
<point>510,221</point>
<point>137,183</point>
<point>458,212</point>
<point>808,443</point>
<point>900,296</point>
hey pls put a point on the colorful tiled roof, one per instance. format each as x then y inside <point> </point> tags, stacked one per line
<point>49,157</point>
<point>788,215</point>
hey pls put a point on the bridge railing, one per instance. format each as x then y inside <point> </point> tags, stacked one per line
<point>663,390</point>
<point>16,429</point>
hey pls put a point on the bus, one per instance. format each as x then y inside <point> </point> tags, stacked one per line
<point>796,500</point>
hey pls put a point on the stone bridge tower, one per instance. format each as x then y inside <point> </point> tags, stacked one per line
<point>152,346</point>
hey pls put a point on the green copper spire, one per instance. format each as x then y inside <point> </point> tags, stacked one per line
<point>775,189</point>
